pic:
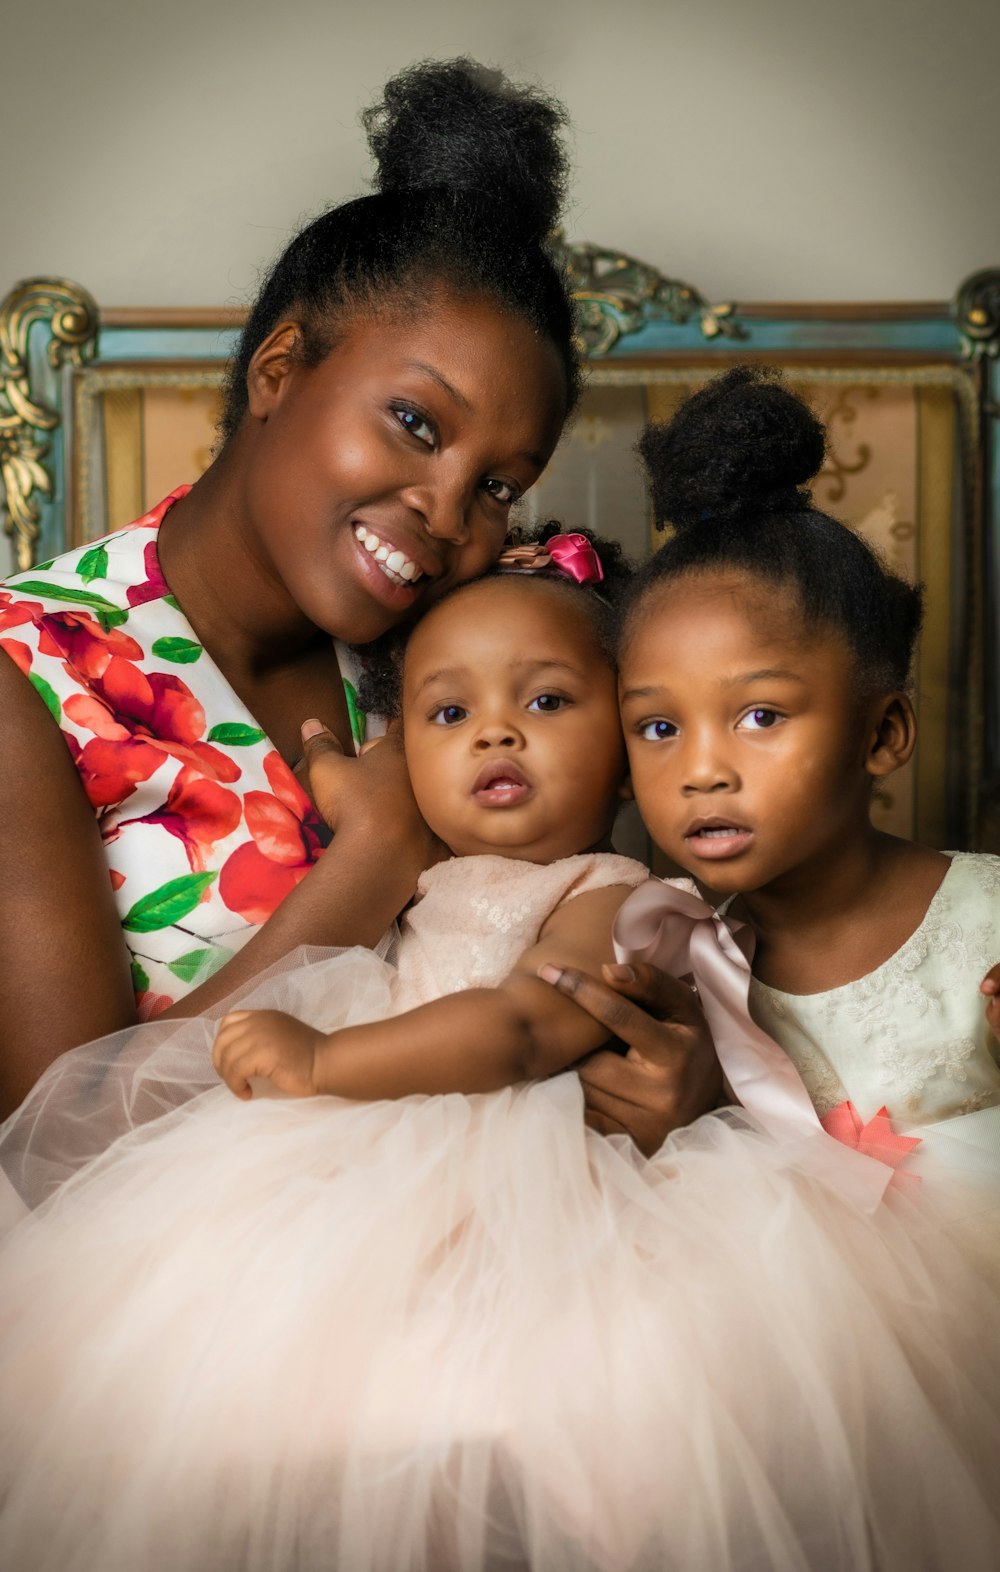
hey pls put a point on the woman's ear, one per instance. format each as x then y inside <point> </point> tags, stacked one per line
<point>891,734</point>
<point>277,355</point>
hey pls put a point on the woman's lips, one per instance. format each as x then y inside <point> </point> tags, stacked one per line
<point>501,784</point>
<point>391,588</point>
<point>714,840</point>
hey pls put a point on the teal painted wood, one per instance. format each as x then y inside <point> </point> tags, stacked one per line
<point>934,336</point>
<point>123,344</point>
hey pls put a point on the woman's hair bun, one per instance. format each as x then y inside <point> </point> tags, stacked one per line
<point>458,125</point>
<point>742,447</point>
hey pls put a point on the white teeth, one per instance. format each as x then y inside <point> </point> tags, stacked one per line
<point>393,562</point>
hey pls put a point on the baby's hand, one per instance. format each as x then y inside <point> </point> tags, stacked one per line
<point>990,986</point>
<point>269,1044</point>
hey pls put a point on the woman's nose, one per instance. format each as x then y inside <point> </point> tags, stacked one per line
<point>444,511</point>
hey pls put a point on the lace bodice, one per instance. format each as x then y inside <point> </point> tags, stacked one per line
<point>474,916</point>
<point>912,1034</point>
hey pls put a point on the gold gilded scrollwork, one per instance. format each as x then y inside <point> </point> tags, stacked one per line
<point>977,311</point>
<point>72,316</point>
<point>617,295</point>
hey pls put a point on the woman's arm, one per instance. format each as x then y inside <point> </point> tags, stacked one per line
<point>64,965</point>
<point>475,1041</point>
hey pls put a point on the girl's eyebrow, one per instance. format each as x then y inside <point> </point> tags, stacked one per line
<point>526,666</point>
<point>766,674</point>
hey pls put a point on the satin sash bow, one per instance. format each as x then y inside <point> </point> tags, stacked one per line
<point>673,928</point>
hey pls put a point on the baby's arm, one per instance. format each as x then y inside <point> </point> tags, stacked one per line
<point>475,1041</point>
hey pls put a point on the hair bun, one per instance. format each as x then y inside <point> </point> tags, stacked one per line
<point>458,125</point>
<point>741,447</point>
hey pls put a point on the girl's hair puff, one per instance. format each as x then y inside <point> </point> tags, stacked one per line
<point>729,474</point>
<point>470,179</point>
<point>380,689</point>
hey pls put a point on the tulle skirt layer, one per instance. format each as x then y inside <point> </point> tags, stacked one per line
<point>464,1333</point>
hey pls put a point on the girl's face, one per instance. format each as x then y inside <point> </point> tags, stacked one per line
<point>746,737</point>
<point>510,723</point>
<point>385,474</point>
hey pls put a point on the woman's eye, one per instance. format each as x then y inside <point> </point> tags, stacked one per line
<point>657,730</point>
<point>760,720</point>
<point>501,491</point>
<point>547,703</point>
<point>448,715</point>
<point>416,424</point>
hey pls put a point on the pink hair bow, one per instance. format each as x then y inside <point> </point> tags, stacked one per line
<point>571,555</point>
<point>668,924</point>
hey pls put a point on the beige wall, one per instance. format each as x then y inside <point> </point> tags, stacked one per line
<point>161,152</point>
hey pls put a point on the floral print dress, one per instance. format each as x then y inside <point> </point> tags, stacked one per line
<point>205,828</point>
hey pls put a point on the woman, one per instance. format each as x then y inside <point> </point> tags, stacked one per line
<point>401,381</point>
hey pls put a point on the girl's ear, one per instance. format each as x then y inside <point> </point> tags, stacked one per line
<point>273,359</point>
<point>891,734</point>
<point>625,791</point>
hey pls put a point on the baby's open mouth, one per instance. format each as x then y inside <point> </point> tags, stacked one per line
<point>395,566</point>
<point>501,784</point>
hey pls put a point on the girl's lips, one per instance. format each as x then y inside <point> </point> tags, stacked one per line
<point>501,784</point>
<point>718,841</point>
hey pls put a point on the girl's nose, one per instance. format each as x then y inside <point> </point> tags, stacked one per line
<point>707,767</point>
<point>498,732</point>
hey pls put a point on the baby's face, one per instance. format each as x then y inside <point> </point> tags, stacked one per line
<point>510,723</point>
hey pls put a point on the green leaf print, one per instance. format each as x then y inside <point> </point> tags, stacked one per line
<point>359,720</point>
<point>169,600</point>
<point>181,651</point>
<point>108,614</point>
<point>48,694</point>
<point>93,564</point>
<point>140,981</point>
<point>234,734</point>
<point>199,963</point>
<point>168,904</point>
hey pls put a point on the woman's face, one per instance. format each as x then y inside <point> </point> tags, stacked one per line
<point>384,475</point>
<point>510,723</point>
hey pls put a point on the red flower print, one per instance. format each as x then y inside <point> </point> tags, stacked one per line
<point>287,841</point>
<point>14,613</point>
<point>198,812</point>
<point>150,1004</point>
<point>154,586</point>
<point>19,653</point>
<point>86,647</point>
<point>138,718</point>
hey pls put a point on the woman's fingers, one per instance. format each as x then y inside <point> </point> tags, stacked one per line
<point>991,982</point>
<point>637,1003</point>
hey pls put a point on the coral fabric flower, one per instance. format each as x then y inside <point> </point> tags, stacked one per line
<point>138,719</point>
<point>198,812</point>
<point>287,841</point>
<point>875,1139</point>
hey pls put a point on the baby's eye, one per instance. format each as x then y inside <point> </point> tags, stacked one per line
<point>760,720</point>
<point>501,491</point>
<point>548,703</point>
<point>657,730</point>
<point>416,424</point>
<point>449,715</point>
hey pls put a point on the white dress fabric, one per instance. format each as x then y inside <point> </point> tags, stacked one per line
<point>461,1333</point>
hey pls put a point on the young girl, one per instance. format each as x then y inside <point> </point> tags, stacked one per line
<point>765,664</point>
<point>461,1331</point>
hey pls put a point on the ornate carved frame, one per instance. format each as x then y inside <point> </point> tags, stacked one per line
<point>59,353</point>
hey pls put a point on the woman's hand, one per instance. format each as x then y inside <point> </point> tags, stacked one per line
<point>990,986</point>
<point>266,1045</point>
<point>370,793</point>
<point>669,1075</point>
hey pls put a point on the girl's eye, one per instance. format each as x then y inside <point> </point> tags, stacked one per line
<point>547,703</point>
<point>448,715</point>
<point>760,720</point>
<point>501,491</point>
<point>657,730</point>
<point>416,424</point>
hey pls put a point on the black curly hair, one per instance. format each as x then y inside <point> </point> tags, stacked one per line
<point>471,176</point>
<point>729,474</point>
<point>380,689</point>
